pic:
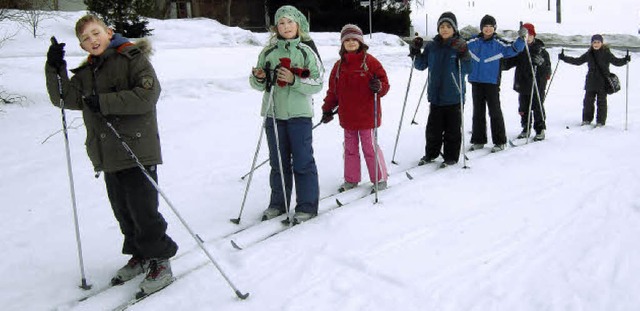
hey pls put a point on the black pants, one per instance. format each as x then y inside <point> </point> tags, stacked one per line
<point>487,95</point>
<point>588,107</point>
<point>537,108</point>
<point>134,201</point>
<point>443,126</point>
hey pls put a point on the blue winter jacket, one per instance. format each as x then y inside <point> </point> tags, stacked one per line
<point>442,60</point>
<point>486,55</point>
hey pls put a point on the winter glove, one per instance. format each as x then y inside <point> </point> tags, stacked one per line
<point>327,116</point>
<point>561,55</point>
<point>459,45</point>
<point>522,32</point>
<point>415,46</point>
<point>375,85</point>
<point>92,102</point>
<point>537,60</point>
<point>55,55</point>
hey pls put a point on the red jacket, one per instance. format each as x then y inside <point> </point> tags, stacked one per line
<point>349,90</point>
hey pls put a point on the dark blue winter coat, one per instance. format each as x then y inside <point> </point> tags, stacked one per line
<point>486,55</point>
<point>442,60</point>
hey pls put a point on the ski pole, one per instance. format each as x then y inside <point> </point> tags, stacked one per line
<point>459,87</point>
<point>269,88</point>
<point>404,106</point>
<point>626,98</point>
<point>275,131</point>
<point>413,121</point>
<point>552,75</point>
<point>375,142</point>
<point>267,160</point>
<point>535,81</point>
<point>84,285</point>
<point>175,211</point>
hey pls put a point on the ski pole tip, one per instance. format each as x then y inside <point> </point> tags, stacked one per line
<point>235,220</point>
<point>241,295</point>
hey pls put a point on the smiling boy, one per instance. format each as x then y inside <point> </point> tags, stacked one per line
<point>117,84</point>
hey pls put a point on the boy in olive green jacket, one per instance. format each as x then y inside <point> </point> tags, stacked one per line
<point>117,84</point>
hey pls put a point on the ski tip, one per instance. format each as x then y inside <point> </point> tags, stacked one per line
<point>235,220</point>
<point>141,294</point>
<point>241,295</point>
<point>409,175</point>
<point>235,245</point>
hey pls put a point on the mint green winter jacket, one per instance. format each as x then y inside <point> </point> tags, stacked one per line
<point>295,100</point>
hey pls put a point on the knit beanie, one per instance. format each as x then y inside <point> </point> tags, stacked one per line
<point>293,14</point>
<point>597,37</point>
<point>449,18</point>
<point>350,31</point>
<point>488,20</point>
<point>530,29</point>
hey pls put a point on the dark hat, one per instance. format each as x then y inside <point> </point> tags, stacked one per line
<point>488,20</point>
<point>597,37</point>
<point>530,29</point>
<point>449,18</point>
<point>350,31</point>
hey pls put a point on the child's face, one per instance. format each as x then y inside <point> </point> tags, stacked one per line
<point>95,38</point>
<point>530,39</point>
<point>287,28</point>
<point>351,45</point>
<point>445,30</point>
<point>596,44</point>
<point>488,30</point>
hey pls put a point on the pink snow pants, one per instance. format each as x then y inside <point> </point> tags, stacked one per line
<point>352,156</point>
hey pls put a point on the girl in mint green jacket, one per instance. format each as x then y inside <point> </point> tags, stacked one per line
<point>289,71</point>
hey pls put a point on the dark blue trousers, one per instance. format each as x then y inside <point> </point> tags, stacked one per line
<point>296,151</point>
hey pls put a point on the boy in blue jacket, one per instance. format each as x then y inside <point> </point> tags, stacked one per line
<point>445,56</point>
<point>486,50</point>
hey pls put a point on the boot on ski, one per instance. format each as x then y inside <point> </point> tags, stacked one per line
<point>159,276</point>
<point>134,267</point>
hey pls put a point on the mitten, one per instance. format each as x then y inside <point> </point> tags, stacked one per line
<point>459,45</point>
<point>92,102</point>
<point>561,56</point>
<point>286,63</point>
<point>327,116</point>
<point>415,46</point>
<point>522,32</point>
<point>375,85</point>
<point>537,60</point>
<point>55,55</point>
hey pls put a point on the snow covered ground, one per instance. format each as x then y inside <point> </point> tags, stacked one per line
<point>547,226</point>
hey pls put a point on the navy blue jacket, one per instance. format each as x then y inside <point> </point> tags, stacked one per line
<point>486,55</point>
<point>442,60</point>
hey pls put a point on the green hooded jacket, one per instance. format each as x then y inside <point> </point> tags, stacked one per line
<point>128,91</point>
<point>295,100</point>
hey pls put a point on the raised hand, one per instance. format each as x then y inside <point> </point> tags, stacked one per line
<point>55,55</point>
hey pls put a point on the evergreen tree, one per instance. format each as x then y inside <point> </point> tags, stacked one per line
<point>127,17</point>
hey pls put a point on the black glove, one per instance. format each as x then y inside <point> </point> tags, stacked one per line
<point>415,46</point>
<point>327,116</point>
<point>92,102</point>
<point>561,55</point>
<point>627,58</point>
<point>522,32</point>
<point>375,85</point>
<point>459,45</point>
<point>55,55</point>
<point>537,60</point>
